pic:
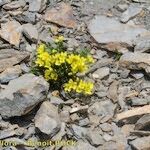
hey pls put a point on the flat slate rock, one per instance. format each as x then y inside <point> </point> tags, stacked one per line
<point>22,94</point>
<point>61,15</point>
<point>10,57</point>
<point>109,30</point>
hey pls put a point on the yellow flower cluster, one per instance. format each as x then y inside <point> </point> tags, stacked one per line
<point>50,61</point>
<point>59,39</point>
<point>79,86</point>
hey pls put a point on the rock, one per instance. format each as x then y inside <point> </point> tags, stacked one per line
<point>37,5</point>
<point>127,129</point>
<point>142,44</point>
<point>14,5</point>
<point>101,73</point>
<point>103,109</point>
<point>140,101</point>
<point>80,145</point>
<point>141,1</point>
<point>22,94</point>
<point>141,143</point>
<point>79,132</point>
<point>94,138</point>
<point>61,15</point>
<point>30,32</point>
<point>136,61</point>
<point>106,127</point>
<point>44,36</point>
<point>11,32</point>
<point>143,122</point>
<point>84,122</point>
<point>10,57</point>
<point>137,75</point>
<point>92,7</point>
<point>122,7</point>
<point>3,2</point>
<point>134,112</point>
<point>10,74</point>
<point>113,91</point>
<point>109,30</point>
<point>107,137</point>
<point>47,119</point>
<point>132,11</point>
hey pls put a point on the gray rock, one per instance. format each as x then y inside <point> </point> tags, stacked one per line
<point>101,73</point>
<point>79,132</point>
<point>137,75</point>
<point>106,30</point>
<point>10,74</point>
<point>30,32</point>
<point>104,109</point>
<point>91,7</point>
<point>122,7</point>
<point>142,44</point>
<point>131,12</point>
<point>21,95</point>
<point>136,61</point>
<point>140,101</point>
<point>11,31</point>
<point>94,138</point>
<point>141,143</point>
<point>37,5</point>
<point>15,5</point>
<point>143,122</point>
<point>106,127</point>
<point>3,2</point>
<point>47,119</point>
<point>10,57</point>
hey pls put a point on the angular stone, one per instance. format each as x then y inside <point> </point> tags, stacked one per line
<point>10,74</point>
<point>15,5</point>
<point>101,73</point>
<point>11,32</point>
<point>10,57</point>
<point>109,30</point>
<point>30,32</point>
<point>143,122</point>
<point>47,119</point>
<point>94,138</point>
<point>104,108</point>
<point>113,91</point>
<point>141,143</point>
<point>131,12</point>
<point>136,61</point>
<point>37,5</point>
<point>3,2</point>
<point>142,44</point>
<point>21,95</point>
<point>61,15</point>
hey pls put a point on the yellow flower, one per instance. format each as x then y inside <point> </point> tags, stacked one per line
<point>59,39</point>
<point>39,62</point>
<point>90,59</point>
<point>79,86</point>
<point>41,48</point>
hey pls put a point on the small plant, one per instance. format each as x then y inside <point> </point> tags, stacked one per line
<point>60,67</point>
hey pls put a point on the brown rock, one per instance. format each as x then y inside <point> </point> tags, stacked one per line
<point>61,15</point>
<point>136,61</point>
<point>112,92</point>
<point>134,112</point>
<point>11,32</point>
<point>10,57</point>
